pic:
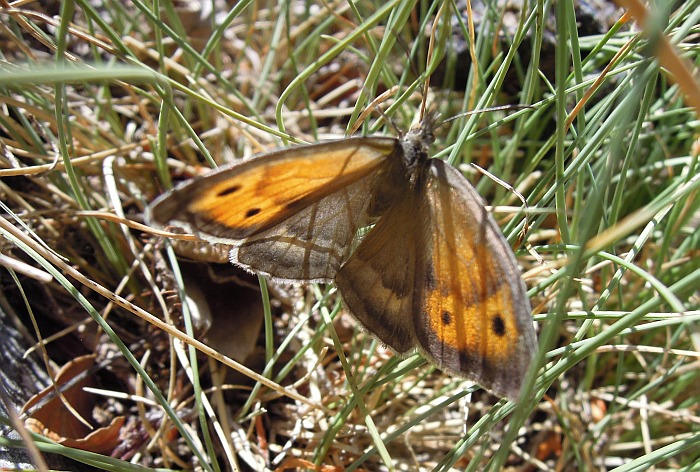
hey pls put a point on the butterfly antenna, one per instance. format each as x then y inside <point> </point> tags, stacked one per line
<point>401,42</point>
<point>487,110</point>
<point>393,124</point>
<point>429,59</point>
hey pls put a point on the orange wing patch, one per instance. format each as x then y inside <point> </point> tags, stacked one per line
<point>487,327</point>
<point>249,198</point>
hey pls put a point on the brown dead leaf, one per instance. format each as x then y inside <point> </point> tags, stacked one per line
<point>66,420</point>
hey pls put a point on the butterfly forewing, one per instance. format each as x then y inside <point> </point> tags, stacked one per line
<point>480,325</point>
<point>239,200</point>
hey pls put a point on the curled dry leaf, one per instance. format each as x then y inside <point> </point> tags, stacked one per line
<point>48,415</point>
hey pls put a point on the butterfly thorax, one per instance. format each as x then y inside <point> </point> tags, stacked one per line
<point>416,143</point>
<point>415,146</point>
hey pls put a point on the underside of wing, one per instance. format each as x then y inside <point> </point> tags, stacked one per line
<point>479,324</point>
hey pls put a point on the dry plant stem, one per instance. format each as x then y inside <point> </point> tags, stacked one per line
<point>680,70</point>
<point>184,359</point>
<point>76,162</point>
<point>639,218</point>
<point>472,55</point>
<point>25,269</point>
<point>600,79</point>
<point>371,107</point>
<point>137,226</point>
<point>221,420</point>
<point>141,313</point>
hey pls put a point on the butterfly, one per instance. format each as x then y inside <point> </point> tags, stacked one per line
<point>433,273</point>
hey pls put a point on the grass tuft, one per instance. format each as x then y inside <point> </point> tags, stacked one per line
<point>104,108</point>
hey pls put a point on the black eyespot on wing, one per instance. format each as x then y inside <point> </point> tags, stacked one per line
<point>229,190</point>
<point>446,318</point>
<point>252,212</point>
<point>498,326</point>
